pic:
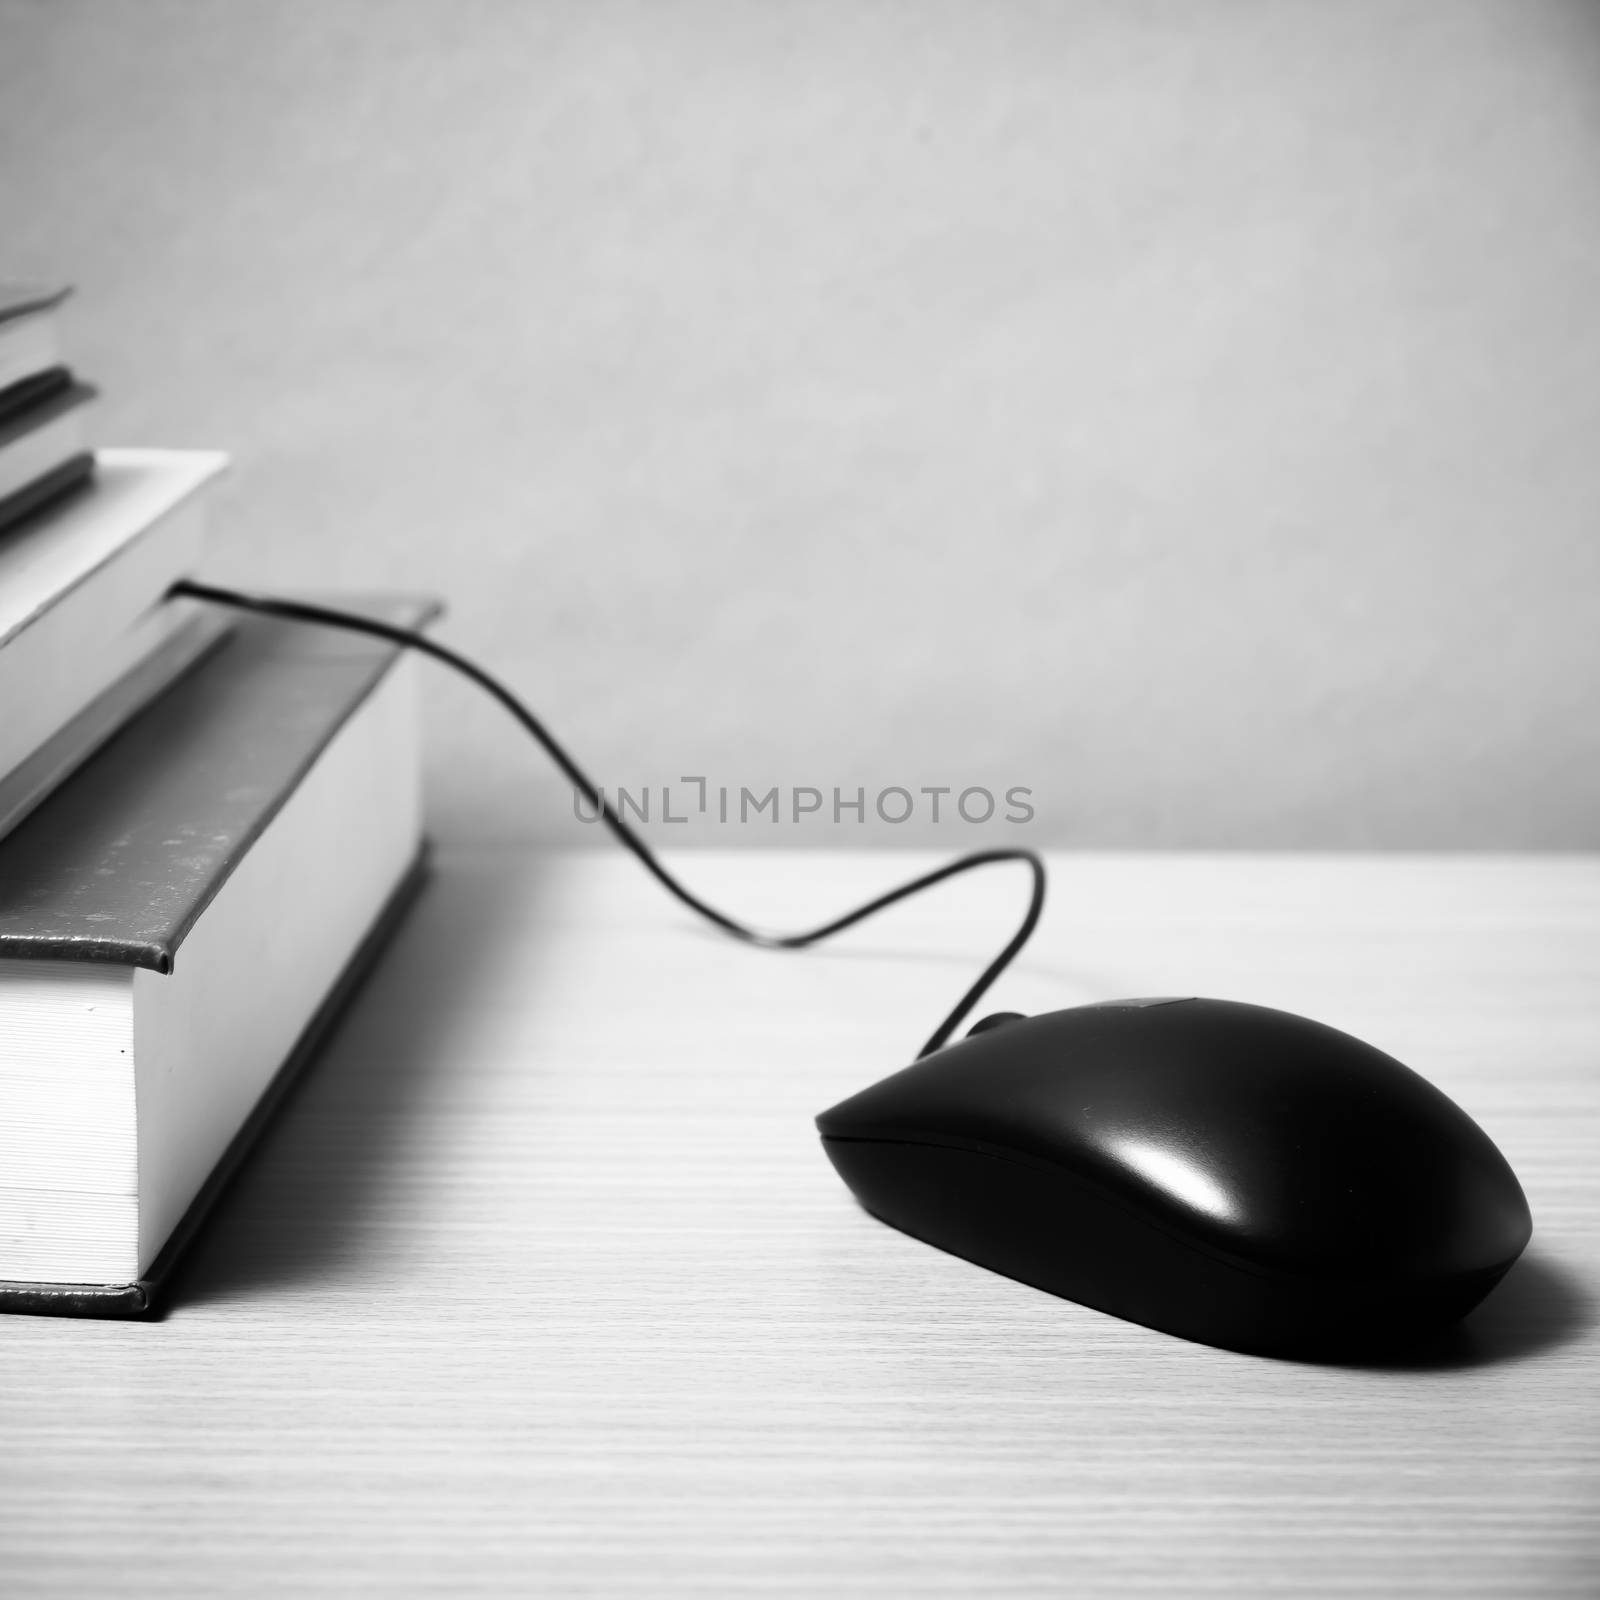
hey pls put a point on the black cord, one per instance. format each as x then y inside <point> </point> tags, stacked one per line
<point>354,622</point>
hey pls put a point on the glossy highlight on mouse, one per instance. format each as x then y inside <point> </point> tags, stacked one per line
<point>1224,1172</point>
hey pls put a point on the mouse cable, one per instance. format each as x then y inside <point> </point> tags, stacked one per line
<point>354,622</point>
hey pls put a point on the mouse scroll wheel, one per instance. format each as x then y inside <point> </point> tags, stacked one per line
<point>1001,1019</point>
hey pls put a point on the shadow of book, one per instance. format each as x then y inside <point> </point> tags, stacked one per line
<point>323,1194</point>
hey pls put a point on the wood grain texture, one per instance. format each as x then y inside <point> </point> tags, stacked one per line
<point>543,1284</point>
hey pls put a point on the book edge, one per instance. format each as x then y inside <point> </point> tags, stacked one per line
<point>145,1296</point>
<point>191,471</point>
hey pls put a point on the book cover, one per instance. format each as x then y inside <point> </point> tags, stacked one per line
<point>129,852</point>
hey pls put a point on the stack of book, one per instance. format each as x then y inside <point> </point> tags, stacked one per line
<point>205,831</point>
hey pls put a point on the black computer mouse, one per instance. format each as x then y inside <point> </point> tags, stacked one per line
<point>1227,1173</point>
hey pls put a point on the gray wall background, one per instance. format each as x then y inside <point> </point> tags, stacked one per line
<point>1188,411</point>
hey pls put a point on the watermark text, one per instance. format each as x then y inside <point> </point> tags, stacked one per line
<point>695,797</point>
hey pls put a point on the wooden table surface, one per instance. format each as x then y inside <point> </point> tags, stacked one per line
<point>543,1284</point>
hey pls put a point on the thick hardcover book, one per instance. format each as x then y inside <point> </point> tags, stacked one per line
<point>178,923</point>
